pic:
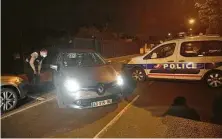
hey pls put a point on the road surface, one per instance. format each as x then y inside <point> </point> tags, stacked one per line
<point>139,116</point>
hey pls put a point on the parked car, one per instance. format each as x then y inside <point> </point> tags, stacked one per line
<point>188,58</point>
<point>83,79</point>
<point>13,89</point>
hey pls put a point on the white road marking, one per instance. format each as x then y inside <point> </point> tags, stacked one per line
<point>37,98</point>
<point>115,119</point>
<point>26,108</point>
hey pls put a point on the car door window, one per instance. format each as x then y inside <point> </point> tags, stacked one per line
<point>163,51</point>
<point>191,49</point>
<point>212,48</point>
<point>201,48</point>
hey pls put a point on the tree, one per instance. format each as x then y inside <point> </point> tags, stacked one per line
<point>210,14</point>
<point>87,32</point>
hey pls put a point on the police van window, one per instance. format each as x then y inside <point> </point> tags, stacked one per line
<point>191,49</point>
<point>201,48</point>
<point>212,48</point>
<point>164,51</point>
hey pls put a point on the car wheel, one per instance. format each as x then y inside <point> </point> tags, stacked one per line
<point>138,74</point>
<point>214,79</point>
<point>9,99</point>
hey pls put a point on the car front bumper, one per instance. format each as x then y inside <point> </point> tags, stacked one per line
<point>83,99</point>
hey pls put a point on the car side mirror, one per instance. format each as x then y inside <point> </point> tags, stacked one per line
<point>154,55</point>
<point>54,67</point>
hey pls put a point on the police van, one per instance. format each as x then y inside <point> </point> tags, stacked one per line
<point>188,58</point>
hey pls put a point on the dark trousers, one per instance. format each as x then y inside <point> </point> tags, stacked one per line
<point>34,79</point>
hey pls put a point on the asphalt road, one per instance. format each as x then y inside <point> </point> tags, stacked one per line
<point>139,116</point>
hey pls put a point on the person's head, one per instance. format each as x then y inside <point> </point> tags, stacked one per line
<point>179,101</point>
<point>43,53</point>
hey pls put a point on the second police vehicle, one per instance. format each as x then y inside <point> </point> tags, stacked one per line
<point>188,58</point>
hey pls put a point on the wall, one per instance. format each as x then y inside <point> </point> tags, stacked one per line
<point>113,48</point>
<point>108,48</point>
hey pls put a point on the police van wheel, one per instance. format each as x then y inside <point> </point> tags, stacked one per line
<point>214,79</point>
<point>138,74</point>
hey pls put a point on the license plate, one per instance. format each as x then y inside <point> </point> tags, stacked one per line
<point>101,103</point>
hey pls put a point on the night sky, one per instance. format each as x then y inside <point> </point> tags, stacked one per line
<point>36,19</point>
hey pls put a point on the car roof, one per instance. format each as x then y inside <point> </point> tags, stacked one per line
<point>197,38</point>
<point>192,38</point>
<point>64,50</point>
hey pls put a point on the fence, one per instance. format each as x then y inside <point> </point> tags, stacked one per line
<point>108,48</point>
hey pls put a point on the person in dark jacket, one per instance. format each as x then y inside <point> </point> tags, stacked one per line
<point>34,65</point>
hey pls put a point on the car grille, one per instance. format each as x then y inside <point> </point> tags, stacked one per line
<point>94,88</point>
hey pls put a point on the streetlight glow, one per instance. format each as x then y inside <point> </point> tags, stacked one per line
<point>191,21</point>
<point>169,34</point>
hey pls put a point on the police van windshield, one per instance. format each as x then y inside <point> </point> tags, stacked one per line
<point>83,59</point>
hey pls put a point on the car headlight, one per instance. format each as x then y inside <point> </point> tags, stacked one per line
<point>119,80</point>
<point>71,85</point>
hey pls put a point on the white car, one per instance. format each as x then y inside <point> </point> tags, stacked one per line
<point>189,58</point>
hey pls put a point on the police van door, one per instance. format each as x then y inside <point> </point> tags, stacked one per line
<point>160,61</point>
<point>190,61</point>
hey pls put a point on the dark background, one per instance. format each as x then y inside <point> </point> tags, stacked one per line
<point>33,20</point>
<point>27,23</point>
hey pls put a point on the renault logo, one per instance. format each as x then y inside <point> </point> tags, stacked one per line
<point>100,89</point>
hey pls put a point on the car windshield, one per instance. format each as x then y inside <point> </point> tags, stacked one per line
<point>83,59</point>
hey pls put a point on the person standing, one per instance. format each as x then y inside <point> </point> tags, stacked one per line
<point>34,65</point>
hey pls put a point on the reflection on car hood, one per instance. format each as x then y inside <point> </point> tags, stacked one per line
<point>138,57</point>
<point>9,79</point>
<point>135,60</point>
<point>90,76</point>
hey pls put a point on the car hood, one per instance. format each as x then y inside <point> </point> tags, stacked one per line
<point>9,79</point>
<point>135,60</point>
<point>90,76</point>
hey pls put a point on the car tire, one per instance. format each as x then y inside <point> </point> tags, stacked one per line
<point>214,79</point>
<point>9,99</point>
<point>138,74</point>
